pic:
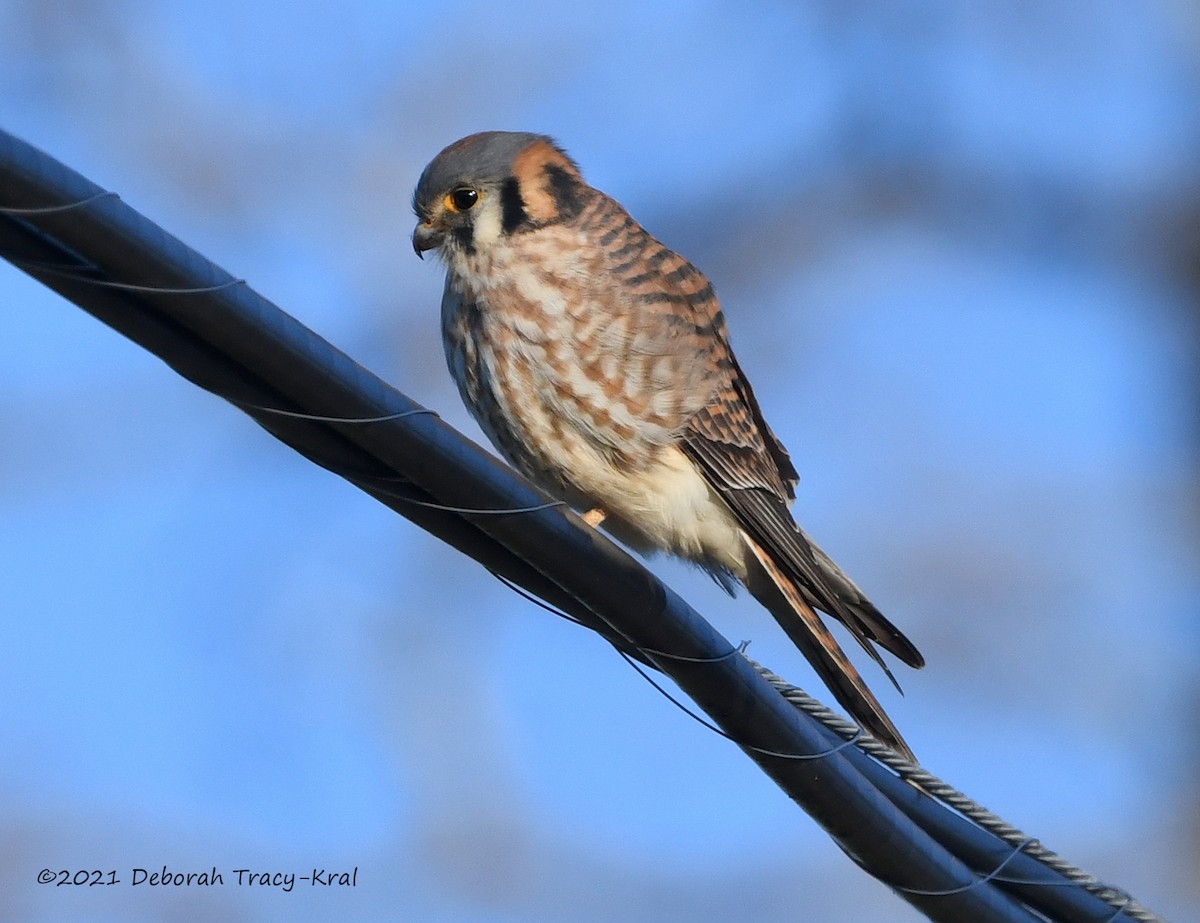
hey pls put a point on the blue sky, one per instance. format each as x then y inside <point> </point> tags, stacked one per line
<point>951,246</point>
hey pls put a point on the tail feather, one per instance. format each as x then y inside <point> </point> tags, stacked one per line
<point>859,614</point>
<point>780,594</point>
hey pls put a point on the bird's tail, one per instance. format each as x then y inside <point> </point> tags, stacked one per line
<point>779,593</point>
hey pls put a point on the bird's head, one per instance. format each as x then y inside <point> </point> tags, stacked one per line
<point>489,186</point>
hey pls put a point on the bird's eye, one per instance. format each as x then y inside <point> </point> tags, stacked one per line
<point>461,199</point>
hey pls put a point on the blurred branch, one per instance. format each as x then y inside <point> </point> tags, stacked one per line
<point>84,243</point>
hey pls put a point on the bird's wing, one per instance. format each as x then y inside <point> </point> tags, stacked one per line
<point>662,318</point>
<point>729,441</point>
<point>744,461</point>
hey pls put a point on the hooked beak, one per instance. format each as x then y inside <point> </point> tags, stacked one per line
<point>425,237</point>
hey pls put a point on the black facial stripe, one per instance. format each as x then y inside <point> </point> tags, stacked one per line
<point>512,206</point>
<point>565,188</point>
<point>464,237</point>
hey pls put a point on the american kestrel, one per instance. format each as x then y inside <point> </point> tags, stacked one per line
<point>598,363</point>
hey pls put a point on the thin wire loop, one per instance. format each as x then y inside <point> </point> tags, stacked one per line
<point>801,757</point>
<point>683,658</point>
<point>554,610</point>
<point>52,209</point>
<point>317,418</point>
<point>733,651</point>
<point>78,273</point>
<point>977,880</point>
<point>467,511</point>
<point>1120,911</point>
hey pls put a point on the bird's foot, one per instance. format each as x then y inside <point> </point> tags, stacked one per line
<point>594,517</point>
